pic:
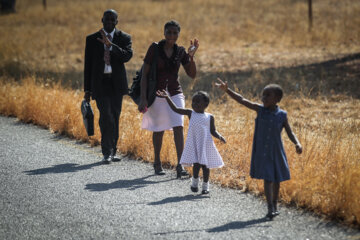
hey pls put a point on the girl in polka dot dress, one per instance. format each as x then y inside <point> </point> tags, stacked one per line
<point>200,150</point>
<point>268,160</point>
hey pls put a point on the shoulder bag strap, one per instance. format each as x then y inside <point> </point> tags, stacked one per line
<point>155,59</point>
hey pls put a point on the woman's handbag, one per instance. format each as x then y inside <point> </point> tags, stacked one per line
<point>88,117</point>
<point>135,89</point>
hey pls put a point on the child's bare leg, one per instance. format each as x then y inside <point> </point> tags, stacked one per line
<point>276,188</point>
<point>268,189</point>
<point>206,175</point>
<point>195,179</point>
<point>196,170</point>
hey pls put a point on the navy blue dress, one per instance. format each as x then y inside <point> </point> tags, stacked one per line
<point>268,160</point>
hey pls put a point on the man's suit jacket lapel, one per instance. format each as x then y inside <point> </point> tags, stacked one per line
<point>99,48</point>
<point>117,37</point>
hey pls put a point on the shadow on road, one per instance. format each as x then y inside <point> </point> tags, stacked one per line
<point>223,228</point>
<point>238,225</point>
<point>62,168</point>
<point>131,184</point>
<point>189,197</point>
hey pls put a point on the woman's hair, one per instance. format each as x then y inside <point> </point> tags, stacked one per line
<point>172,23</point>
<point>277,90</point>
<point>204,95</point>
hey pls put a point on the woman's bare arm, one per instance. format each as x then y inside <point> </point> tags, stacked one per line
<point>190,68</point>
<point>143,86</point>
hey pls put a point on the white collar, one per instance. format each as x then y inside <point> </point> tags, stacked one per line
<point>112,33</point>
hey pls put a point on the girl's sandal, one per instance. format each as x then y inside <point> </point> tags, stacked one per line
<point>194,184</point>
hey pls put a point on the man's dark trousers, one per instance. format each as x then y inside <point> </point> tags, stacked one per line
<point>109,105</point>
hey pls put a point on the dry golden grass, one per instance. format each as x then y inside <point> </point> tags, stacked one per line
<point>325,178</point>
<point>233,34</point>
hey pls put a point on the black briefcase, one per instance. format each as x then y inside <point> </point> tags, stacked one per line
<point>88,117</point>
<point>135,91</point>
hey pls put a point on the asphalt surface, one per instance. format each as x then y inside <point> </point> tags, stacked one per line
<point>53,187</point>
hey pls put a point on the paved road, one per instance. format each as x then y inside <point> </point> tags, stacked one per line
<point>54,188</point>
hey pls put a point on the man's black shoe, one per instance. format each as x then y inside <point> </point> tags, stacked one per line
<point>106,160</point>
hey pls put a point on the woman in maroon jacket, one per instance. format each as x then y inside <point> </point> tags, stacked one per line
<point>159,117</point>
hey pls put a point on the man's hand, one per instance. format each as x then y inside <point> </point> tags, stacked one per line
<point>104,39</point>
<point>87,96</point>
<point>222,85</point>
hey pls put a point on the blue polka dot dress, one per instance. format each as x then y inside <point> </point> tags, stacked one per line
<point>268,160</point>
<point>199,146</point>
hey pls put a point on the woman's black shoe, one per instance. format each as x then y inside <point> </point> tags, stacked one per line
<point>158,169</point>
<point>180,171</point>
<point>269,216</point>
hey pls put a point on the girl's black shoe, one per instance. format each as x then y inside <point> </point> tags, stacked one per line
<point>194,189</point>
<point>194,184</point>
<point>205,188</point>
<point>158,169</point>
<point>180,171</point>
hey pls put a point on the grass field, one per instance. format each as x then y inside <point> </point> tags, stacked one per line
<point>247,43</point>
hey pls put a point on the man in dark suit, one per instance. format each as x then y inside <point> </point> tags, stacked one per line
<point>105,79</point>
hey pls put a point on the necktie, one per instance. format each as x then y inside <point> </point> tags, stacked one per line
<point>107,52</point>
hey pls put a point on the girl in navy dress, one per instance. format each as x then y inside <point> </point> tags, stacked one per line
<point>268,160</point>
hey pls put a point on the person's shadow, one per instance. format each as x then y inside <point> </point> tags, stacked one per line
<point>131,184</point>
<point>62,168</point>
<point>223,228</point>
<point>238,225</point>
<point>189,197</point>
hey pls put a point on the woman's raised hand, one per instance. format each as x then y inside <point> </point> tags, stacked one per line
<point>194,45</point>
<point>104,39</point>
<point>221,84</point>
<point>161,93</point>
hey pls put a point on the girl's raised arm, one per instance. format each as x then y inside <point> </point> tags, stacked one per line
<point>182,111</point>
<point>236,96</point>
<point>292,137</point>
<point>213,130</point>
